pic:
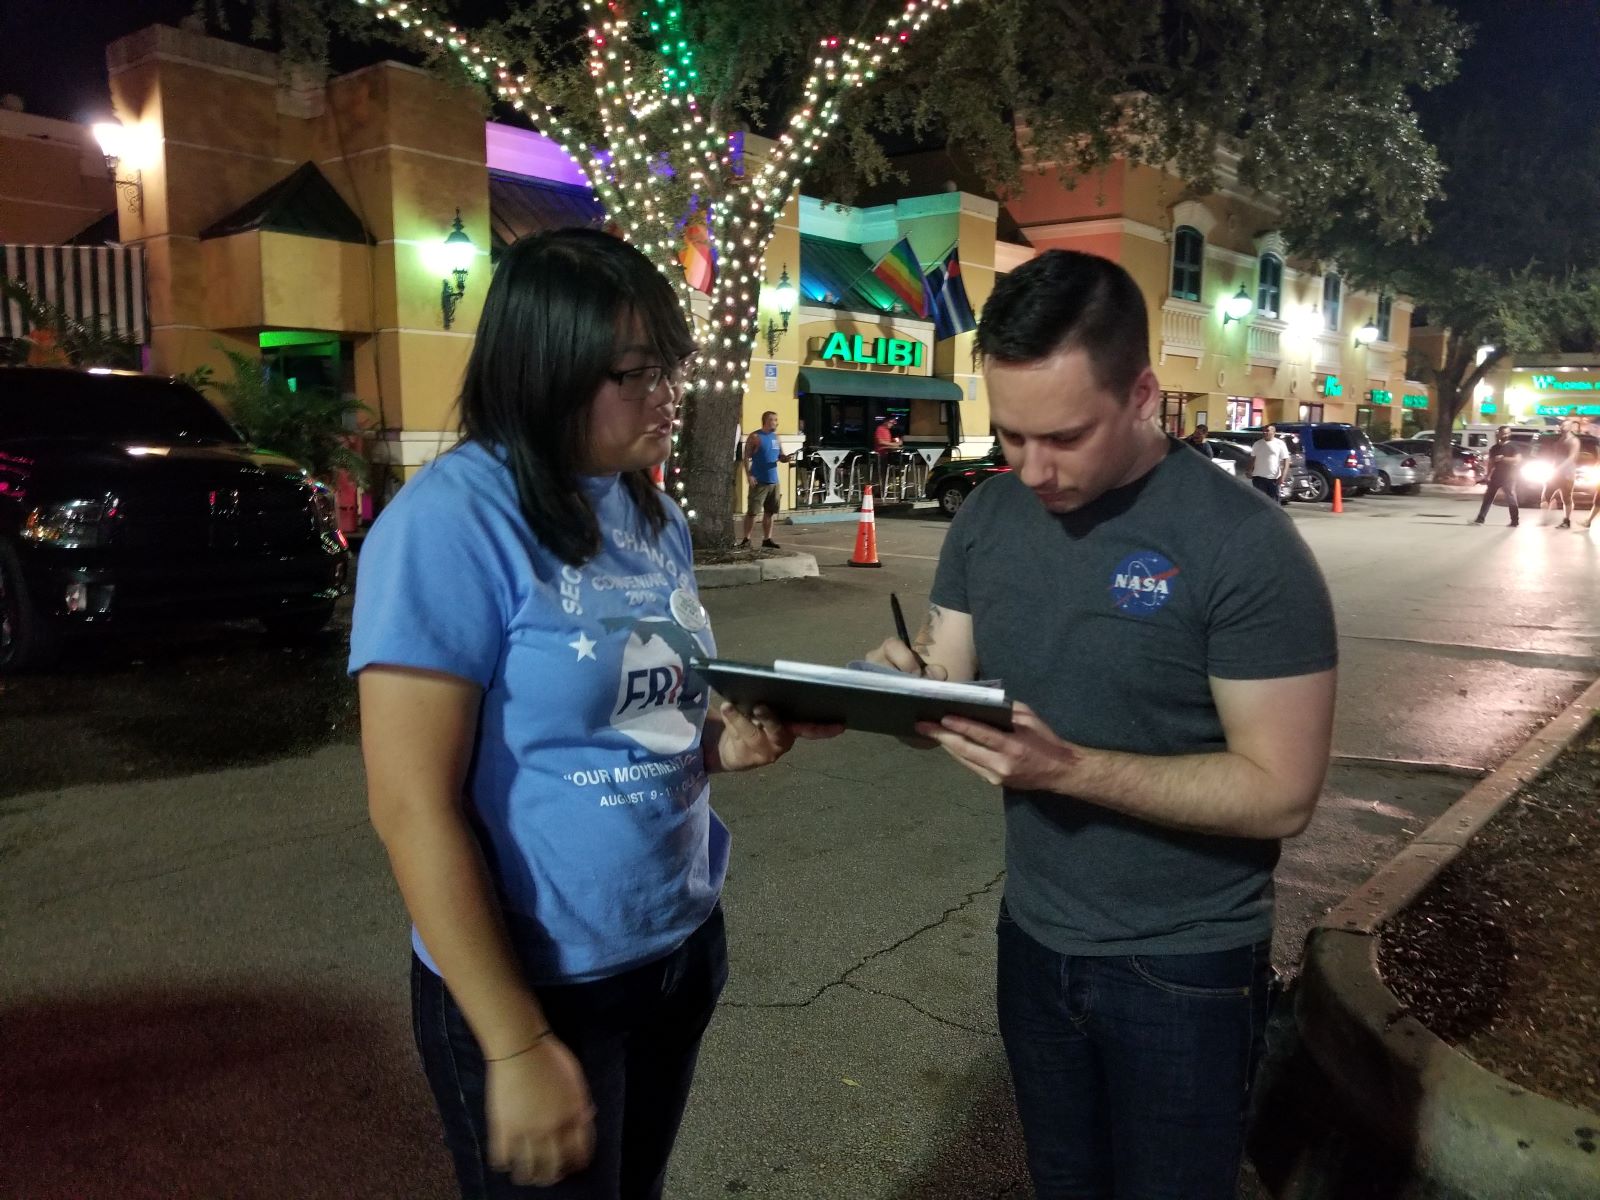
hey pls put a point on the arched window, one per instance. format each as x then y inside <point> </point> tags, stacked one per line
<point>1269,289</point>
<point>1188,251</point>
<point>1332,301</point>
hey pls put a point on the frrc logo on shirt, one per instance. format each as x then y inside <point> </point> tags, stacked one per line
<point>1143,583</point>
<point>657,706</point>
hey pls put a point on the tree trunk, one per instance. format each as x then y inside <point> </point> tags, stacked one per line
<point>707,450</point>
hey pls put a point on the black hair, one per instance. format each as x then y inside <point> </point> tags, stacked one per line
<point>1064,300</point>
<point>552,318</point>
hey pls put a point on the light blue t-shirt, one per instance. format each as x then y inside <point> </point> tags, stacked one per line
<point>588,787</point>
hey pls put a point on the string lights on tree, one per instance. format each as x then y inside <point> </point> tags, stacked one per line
<point>658,164</point>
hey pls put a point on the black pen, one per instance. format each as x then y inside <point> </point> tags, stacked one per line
<point>900,628</point>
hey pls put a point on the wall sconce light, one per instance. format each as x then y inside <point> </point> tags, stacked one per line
<point>785,297</point>
<point>458,255</point>
<point>116,139</point>
<point>1367,334</point>
<point>1237,307</point>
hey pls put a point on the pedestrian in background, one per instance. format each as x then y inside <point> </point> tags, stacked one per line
<point>1564,481</point>
<point>1169,645</point>
<point>536,764</point>
<point>762,454</point>
<point>1269,463</point>
<point>1197,439</point>
<point>1505,457</point>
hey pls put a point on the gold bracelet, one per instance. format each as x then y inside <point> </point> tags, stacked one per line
<point>547,1033</point>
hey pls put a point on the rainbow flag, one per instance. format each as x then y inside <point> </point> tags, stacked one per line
<point>901,273</point>
<point>698,258</point>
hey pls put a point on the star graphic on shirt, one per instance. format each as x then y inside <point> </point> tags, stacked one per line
<point>584,647</point>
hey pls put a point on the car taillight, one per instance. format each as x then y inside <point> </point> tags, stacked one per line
<point>1408,462</point>
<point>1351,461</point>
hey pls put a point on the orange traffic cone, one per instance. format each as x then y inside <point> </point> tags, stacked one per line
<point>1338,497</point>
<point>866,554</point>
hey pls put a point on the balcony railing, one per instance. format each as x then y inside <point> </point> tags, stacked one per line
<point>1327,354</point>
<point>1183,328</point>
<point>1264,344</point>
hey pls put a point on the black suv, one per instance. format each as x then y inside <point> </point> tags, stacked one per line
<point>126,496</point>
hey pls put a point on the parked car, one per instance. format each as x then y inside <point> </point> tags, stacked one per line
<point>1301,484</point>
<point>951,481</point>
<point>1235,458</point>
<point>1539,469</point>
<point>1397,471</point>
<point>1335,450</point>
<point>127,496</point>
<point>1466,467</point>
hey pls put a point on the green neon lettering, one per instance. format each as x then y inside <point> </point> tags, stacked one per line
<point>837,346</point>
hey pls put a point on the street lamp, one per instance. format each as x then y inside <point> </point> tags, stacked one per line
<point>1367,334</point>
<point>784,296</point>
<point>116,141</point>
<point>1237,307</point>
<point>458,255</point>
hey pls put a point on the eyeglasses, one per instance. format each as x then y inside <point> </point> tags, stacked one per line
<point>643,381</point>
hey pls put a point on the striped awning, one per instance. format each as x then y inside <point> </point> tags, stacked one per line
<point>102,284</point>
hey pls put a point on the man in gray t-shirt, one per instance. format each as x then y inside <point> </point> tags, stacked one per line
<point>1170,645</point>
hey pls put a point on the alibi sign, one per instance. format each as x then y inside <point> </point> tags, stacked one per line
<point>884,351</point>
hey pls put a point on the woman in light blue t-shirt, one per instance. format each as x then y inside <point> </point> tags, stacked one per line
<point>536,750</point>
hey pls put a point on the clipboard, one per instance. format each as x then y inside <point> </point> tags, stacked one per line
<point>865,701</point>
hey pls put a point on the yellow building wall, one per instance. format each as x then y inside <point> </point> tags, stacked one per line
<point>53,182</point>
<point>404,151</point>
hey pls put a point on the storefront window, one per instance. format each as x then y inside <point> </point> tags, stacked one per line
<point>1311,412</point>
<point>1188,252</point>
<point>1385,313</point>
<point>1269,291</point>
<point>1172,404</point>
<point>1245,412</point>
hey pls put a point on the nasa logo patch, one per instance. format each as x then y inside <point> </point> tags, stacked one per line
<point>1143,583</point>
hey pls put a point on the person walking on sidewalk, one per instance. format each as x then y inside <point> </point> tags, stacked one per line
<point>762,454</point>
<point>1565,479</point>
<point>1169,646</point>
<point>1269,463</point>
<point>541,793</point>
<point>1505,456</point>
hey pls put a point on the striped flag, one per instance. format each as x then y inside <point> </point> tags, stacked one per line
<point>698,258</point>
<point>952,311</point>
<point>901,273</point>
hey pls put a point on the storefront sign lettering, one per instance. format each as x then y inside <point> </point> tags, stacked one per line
<point>884,351</point>
<point>1569,410</point>
<point>1549,383</point>
<point>1379,396</point>
<point>1413,400</point>
<point>1330,386</point>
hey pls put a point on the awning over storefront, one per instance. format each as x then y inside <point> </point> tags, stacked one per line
<point>94,284</point>
<point>830,382</point>
<point>520,205</point>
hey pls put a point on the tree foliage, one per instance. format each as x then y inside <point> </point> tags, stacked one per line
<point>1510,257</point>
<point>55,338</point>
<point>1314,99</point>
<point>308,425</point>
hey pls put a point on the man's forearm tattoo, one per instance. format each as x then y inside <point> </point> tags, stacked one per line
<point>930,630</point>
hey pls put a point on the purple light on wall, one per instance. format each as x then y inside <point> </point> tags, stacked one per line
<point>524,152</point>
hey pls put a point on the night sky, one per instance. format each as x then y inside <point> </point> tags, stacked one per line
<point>52,53</point>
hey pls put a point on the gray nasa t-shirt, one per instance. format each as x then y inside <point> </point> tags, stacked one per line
<point>1108,623</point>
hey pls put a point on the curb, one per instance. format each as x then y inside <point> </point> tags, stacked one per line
<point>1463,1130</point>
<point>793,565</point>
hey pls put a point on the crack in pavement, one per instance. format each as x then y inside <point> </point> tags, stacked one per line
<point>917,1008</point>
<point>844,979</point>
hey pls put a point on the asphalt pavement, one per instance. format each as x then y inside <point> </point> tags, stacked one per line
<point>204,992</point>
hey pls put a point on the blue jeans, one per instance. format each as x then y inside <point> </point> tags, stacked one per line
<point>1132,1072</point>
<point>637,1035</point>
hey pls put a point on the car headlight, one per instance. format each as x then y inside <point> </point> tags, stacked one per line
<point>70,524</point>
<point>1538,472</point>
<point>1589,476</point>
